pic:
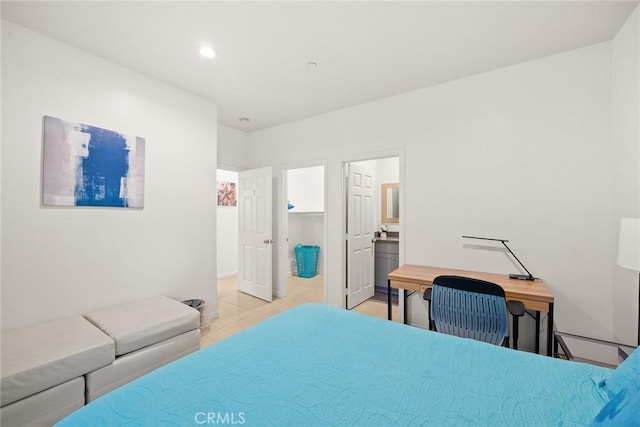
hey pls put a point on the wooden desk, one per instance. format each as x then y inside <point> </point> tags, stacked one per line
<point>532,293</point>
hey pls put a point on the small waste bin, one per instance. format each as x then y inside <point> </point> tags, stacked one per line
<point>307,260</point>
<point>200,305</point>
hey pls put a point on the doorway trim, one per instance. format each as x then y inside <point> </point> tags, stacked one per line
<point>399,153</point>
<point>281,289</point>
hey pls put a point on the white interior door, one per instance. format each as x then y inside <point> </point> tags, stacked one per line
<point>360,229</point>
<point>254,232</point>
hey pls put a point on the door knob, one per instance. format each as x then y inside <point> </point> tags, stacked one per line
<point>267,241</point>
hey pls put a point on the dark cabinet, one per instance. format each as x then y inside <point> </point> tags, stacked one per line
<point>386,260</point>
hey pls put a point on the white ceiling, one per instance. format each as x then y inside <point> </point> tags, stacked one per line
<point>364,50</point>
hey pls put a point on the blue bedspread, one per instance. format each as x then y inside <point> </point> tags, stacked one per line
<point>319,365</point>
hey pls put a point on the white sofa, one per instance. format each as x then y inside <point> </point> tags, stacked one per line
<point>55,367</point>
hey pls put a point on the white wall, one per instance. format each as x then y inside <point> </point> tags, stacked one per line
<point>65,261</point>
<point>232,154</point>
<point>626,149</point>
<point>521,153</point>
<point>232,148</point>
<point>227,231</point>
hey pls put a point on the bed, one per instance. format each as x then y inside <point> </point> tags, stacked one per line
<point>320,365</point>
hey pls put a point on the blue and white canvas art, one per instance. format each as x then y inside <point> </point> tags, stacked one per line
<point>89,166</point>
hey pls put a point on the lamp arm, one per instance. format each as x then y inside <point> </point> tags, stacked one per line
<point>503,241</point>
<point>514,255</point>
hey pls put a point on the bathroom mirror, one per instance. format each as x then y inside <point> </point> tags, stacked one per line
<point>391,203</point>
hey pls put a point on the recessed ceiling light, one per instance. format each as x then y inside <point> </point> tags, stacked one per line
<point>207,52</point>
<point>244,119</point>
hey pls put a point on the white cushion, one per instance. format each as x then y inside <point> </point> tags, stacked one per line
<point>142,323</point>
<point>37,357</point>
<point>45,408</point>
<point>135,364</point>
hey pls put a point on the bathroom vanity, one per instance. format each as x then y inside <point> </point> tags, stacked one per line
<point>386,260</point>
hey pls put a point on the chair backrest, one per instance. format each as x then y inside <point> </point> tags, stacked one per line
<point>469,308</point>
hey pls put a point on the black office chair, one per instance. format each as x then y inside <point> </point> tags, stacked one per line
<point>472,308</point>
<point>427,297</point>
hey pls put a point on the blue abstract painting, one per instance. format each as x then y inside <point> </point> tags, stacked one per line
<point>89,166</point>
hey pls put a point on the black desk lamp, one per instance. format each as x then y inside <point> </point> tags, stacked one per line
<point>511,276</point>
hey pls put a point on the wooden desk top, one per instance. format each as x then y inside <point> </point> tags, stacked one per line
<point>532,290</point>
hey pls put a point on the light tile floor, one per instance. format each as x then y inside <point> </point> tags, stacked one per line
<point>238,311</point>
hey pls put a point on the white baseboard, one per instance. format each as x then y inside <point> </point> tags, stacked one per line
<point>223,275</point>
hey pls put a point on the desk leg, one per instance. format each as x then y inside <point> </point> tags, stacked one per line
<point>549,329</point>
<point>537,336</point>
<point>388,299</point>
<point>404,298</point>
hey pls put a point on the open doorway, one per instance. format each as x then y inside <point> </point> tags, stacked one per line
<point>373,234</point>
<point>227,223</point>
<point>302,231</point>
<point>238,310</point>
